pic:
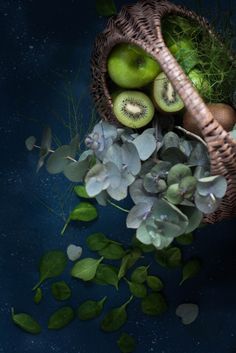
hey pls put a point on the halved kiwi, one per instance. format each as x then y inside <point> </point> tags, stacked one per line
<point>165,97</point>
<point>133,109</point>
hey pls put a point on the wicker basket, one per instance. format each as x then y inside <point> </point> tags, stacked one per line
<point>140,24</point>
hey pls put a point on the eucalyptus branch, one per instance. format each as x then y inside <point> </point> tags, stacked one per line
<point>191,134</point>
<point>52,151</point>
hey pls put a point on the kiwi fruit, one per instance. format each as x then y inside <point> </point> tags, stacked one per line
<point>133,109</point>
<point>223,113</point>
<point>164,95</point>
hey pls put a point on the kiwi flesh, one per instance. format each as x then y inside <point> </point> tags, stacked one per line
<point>164,95</point>
<point>223,113</point>
<point>133,109</point>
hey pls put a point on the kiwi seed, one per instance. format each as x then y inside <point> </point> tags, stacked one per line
<point>164,95</point>
<point>133,109</point>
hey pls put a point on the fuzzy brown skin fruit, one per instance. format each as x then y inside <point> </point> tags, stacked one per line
<point>223,113</point>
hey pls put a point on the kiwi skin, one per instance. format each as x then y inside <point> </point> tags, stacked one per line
<point>223,113</point>
<point>139,102</point>
<point>158,101</point>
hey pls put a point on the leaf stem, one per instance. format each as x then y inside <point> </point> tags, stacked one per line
<point>65,226</point>
<point>191,134</point>
<point>119,207</point>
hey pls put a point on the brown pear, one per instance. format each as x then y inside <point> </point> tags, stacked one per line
<point>223,113</point>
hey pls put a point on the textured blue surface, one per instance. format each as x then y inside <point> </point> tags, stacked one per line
<point>44,46</point>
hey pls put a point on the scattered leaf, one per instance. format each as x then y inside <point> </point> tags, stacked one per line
<point>38,295</point>
<point>74,252</point>
<point>138,290</point>
<point>170,257</point>
<point>90,309</point>
<point>155,283</point>
<point>61,318</point>
<point>112,252</point>
<point>128,261</point>
<point>84,211</point>
<point>126,343</point>
<point>106,274</point>
<point>139,275</point>
<point>80,191</point>
<point>52,264</point>
<point>60,290</point>
<point>154,304</point>
<point>185,239</point>
<point>97,241</point>
<point>190,269</point>
<point>30,142</point>
<point>26,322</point>
<point>85,269</point>
<point>115,318</point>
<point>58,160</point>
<point>187,312</point>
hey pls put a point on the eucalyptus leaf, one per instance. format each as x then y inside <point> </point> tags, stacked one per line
<point>130,158</point>
<point>30,142</point>
<point>139,275</point>
<point>190,269</point>
<point>153,184</point>
<point>52,264</point>
<point>115,318</point>
<point>96,180</point>
<point>138,290</point>
<point>194,218</point>
<point>76,171</point>
<point>170,139</point>
<point>206,204</point>
<point>126,343</point>
<point>138,194</point>
<point>85,269</point>
<point>61,318</point>
<point>145,145</point>
<point>154,304</point>
<point>106,7</point>
<point>38,295</point>
<point>26,322</point>
<point>45,146</point>
<point>112,252</point>
<point>199,156</point>
<point>107,275</point>
<point>216,185</point>
<point>90,309</point>
<point>60,290</point>
<point>173,155</point>
<point>137,214</point>
<point>187,312</point>
<point>58,160</point>
<point>154,283</point>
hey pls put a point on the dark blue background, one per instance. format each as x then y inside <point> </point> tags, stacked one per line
<point>45,51</point>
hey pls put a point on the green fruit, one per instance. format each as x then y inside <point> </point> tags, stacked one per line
<point>173,194</point>
<point>165,97</point>
<point>133,109</point>
<point>200,82</point>
<point>181,47</point>
<point>131,67</point>
<point>177,173</point>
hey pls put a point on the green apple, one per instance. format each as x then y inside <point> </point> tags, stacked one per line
<point>184,52</point>
<point>200,82</point>
<point>129,66</point>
